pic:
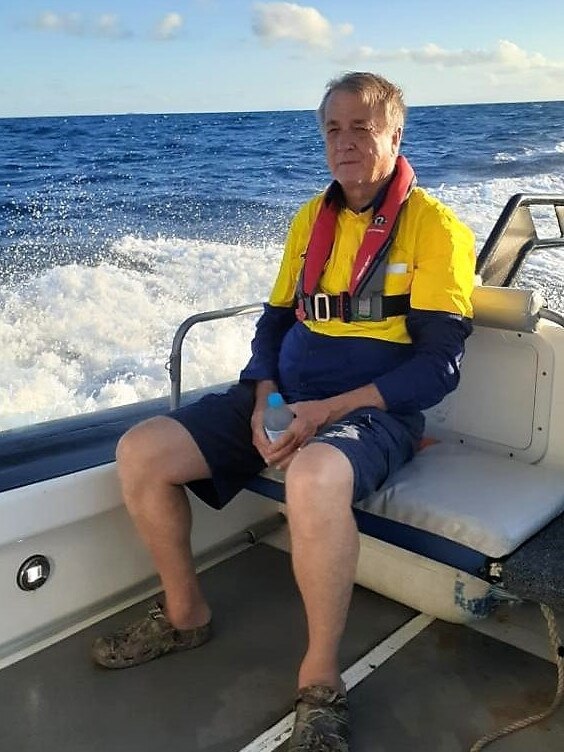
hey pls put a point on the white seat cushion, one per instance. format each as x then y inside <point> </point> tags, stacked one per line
<point>488,503</point>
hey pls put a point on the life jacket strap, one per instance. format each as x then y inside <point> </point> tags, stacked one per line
<point>365,299</point>
<point>323,307</point>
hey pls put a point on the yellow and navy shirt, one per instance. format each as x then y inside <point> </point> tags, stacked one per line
<point>413,359</point>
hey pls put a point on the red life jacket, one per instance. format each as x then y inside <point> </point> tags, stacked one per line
<point>364,300</point>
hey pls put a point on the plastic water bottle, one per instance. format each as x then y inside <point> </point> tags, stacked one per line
<point>277,416</point>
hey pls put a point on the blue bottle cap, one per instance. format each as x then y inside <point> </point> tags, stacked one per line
<point>275,399</point>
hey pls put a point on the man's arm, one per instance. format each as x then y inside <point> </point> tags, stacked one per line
<point>439,320</point>
<point>425,379</point>
<point>434,370</point>
<point>278,318</point>
<point>422,381</point>
<point>279,314</point>
<point>265,347</point>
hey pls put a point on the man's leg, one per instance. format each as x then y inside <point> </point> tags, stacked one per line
<point>153,460</point>
<point>325,546</point>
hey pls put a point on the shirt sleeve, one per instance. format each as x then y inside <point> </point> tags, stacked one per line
<point>439,320</point>
<point>279,315</point>
<point>434,370</point>
<point>444,263</point>
<point>265,347</point>
<point>284,290</point>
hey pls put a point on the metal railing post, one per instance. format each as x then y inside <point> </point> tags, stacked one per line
<point>175,361</point>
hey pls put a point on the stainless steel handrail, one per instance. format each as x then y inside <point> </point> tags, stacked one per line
<point>174,363</point>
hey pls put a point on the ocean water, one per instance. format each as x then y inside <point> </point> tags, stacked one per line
<point>114,229</point>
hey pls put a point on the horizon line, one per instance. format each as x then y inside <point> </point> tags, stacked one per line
<point>260,111</point>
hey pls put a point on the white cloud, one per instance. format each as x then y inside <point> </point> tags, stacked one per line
<point>509,55</point>
<point>68,23</point>
<point>105,25</point>
<point>169,26</point>
<point>506,57</point>
<point>345,30</point>
<point>429,54</point>
<point>432,53</point>
<point>273,22</point>
<point>109,25</point>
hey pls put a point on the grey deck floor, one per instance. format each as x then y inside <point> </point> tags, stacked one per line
<point>451,686</point>
<point>214,699</point>
<point>440,692</point>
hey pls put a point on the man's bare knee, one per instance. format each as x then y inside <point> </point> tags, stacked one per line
<point>319,482</point>
<point>318,469</point>
<point>160,449</point>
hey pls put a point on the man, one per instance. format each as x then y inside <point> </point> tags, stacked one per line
<point>361,333</point>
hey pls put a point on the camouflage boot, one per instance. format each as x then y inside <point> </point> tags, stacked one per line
<point>148,638</point>
<point>322,721</point>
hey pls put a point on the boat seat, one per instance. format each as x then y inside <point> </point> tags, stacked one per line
<point>478,493</point>
<point>458,506</point>
<point>486,503</point>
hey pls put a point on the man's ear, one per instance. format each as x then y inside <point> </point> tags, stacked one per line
<point>396,140</point>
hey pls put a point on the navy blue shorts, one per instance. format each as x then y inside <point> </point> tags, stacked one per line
<point>376,443</point>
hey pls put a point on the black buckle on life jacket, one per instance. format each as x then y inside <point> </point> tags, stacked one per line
<point>324,307</point>
<point>345,312</point>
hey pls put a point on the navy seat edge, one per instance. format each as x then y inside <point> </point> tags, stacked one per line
<point>421,542</point>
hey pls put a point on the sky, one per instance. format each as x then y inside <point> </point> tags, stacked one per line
<point>71,57</point>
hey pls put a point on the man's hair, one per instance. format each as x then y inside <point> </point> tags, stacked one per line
<point>372,89</point>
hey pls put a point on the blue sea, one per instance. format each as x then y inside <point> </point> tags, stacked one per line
<point>113,229</point>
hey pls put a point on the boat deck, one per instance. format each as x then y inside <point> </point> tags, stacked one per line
<point>444,688</point>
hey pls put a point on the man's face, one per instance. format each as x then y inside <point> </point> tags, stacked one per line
<point>361,149</point>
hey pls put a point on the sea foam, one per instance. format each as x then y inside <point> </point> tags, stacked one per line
<point>79,338</point>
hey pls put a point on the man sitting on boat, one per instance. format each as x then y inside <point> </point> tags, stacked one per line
<point>360,334</point>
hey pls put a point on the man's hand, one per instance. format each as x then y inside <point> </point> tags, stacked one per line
<point>310,416</point>
<point>261,441</point>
